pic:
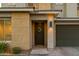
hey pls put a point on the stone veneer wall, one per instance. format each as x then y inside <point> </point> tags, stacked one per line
<point>21,30</point>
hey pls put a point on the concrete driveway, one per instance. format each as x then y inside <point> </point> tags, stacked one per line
<point>64,51</point>
<point>58,51</point>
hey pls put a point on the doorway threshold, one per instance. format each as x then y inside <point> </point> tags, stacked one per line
<point>39,46</point>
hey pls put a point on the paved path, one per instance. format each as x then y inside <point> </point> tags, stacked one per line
<point>58,51</point>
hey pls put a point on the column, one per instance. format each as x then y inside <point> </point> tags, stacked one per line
<point>50,42</point>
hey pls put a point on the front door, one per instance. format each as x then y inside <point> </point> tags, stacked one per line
<point>39,33</point>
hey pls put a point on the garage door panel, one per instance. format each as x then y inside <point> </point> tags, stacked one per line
<point>67,35</point>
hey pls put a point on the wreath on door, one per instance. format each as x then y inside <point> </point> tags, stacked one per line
<point>39,29</point>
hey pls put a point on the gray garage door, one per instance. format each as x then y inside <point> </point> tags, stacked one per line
<point>67,35</point>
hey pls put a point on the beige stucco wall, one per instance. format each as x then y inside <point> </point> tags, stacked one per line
<point>77,12</point>
<point>38,17</point>
<point>71,10</point>
<point>21,30</point>
<point>36,5</point>
<point>42,6</point>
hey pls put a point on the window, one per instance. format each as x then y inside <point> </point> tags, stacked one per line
<point>5,29</point>
<point>1,30</point>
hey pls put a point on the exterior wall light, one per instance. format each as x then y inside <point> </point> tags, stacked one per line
<point>50,24</point>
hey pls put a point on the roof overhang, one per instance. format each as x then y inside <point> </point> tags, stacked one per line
<point>29,9</point>
<point>56,12</point>
<point>14,9</point>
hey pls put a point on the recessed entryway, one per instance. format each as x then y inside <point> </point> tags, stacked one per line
<point>39,30</point>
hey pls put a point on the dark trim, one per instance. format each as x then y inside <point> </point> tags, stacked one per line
<point>5,17</point>
<point>34,10</point>
<point>39,21</point>
<point>66,21</point>
<point>67,17</point>
<point>47,10</point>
<point>16,7</point>
<point>14,11</point>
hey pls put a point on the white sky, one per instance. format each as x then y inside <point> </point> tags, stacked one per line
<point>38,1</point>
<point>0,4</point>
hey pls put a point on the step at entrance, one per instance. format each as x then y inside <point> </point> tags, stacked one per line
<point>39,52</point>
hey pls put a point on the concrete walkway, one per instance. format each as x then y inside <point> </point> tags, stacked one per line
<point>58,51</point>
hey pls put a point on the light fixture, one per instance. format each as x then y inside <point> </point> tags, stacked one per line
<point>50,23</point>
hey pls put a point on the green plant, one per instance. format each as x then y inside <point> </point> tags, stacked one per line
<point>3,47</point>
<point>16,50</point>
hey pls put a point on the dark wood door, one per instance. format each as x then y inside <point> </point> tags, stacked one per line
<point>39,33</point>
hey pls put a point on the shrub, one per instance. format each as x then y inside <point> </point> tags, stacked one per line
<point>3,47</point>
<point>16,50</point>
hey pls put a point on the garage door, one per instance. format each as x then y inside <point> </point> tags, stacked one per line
<point>67,35</point>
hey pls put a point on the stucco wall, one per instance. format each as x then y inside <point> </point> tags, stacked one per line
<point>71,10</point>
<point>42,6</point>
<point>38,17</point>
<point>77,12</point>
<point>21,30</point>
